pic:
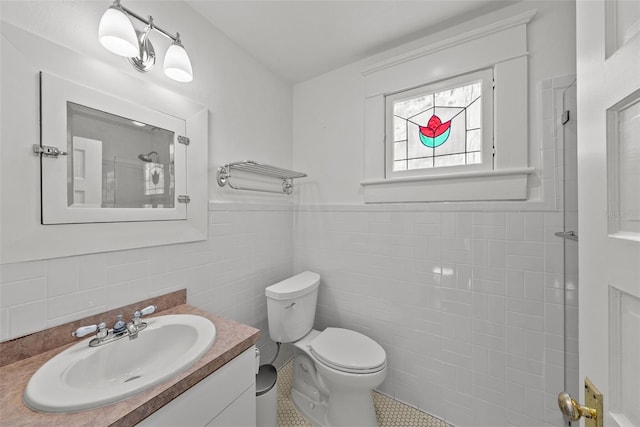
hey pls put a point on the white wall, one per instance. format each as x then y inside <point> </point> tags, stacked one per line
<point>250,108</point>
<point>250,117</point>
<point>329,110</point>
<point>466,298</point>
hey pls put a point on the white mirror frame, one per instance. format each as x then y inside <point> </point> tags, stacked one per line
<point>23,238</point>
<point>55,93</point>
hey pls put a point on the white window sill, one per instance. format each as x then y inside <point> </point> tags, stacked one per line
<point>506,184</point>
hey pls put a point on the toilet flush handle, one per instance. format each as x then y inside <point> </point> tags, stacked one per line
<point>290,305</point>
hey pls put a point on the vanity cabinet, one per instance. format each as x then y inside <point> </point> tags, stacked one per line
<point>225,398</point>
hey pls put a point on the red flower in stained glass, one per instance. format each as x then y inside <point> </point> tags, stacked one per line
<point>435,127</point>
<point>435,133</point>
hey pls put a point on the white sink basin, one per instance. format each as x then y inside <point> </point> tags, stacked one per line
<point>83,377</point>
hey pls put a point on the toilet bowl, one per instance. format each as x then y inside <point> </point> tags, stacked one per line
<point>348,365</point>
<point>334,370</point>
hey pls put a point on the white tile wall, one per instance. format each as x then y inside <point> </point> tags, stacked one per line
<point>470,308</point>
<point>465,320</point>
<point>249,248</point>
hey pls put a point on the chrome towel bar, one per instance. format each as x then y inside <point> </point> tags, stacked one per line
<point>224,175</point>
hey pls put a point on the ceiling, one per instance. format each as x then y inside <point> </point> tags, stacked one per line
<point>300,39</point>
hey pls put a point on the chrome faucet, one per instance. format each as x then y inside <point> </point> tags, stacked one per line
<point>120,329</point>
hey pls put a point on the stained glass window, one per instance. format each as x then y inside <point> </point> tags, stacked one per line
<point>153,179</point>
<point>438,128</point>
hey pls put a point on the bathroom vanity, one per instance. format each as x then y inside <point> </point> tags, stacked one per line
<point>224,398</point>
<point>218,390</point>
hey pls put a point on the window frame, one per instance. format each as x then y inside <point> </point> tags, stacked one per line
<point>499,45</point>
<point>485,77</point>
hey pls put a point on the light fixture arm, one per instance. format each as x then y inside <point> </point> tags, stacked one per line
<point>144,38</point>
<point>146,21</point>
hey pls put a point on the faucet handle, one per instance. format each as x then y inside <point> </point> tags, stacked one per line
<point>103,331</point>
<point>147,310</point>
<point>101,328</point>
<point>144,312</point>
<point>84,330</point>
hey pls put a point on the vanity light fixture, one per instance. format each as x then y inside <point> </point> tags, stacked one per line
<point>117,35</point>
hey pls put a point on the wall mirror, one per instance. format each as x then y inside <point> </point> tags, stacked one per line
<point>118,161</point>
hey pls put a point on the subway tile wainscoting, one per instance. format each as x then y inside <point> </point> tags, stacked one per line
<point>249,248</point>
<point>464,305</point>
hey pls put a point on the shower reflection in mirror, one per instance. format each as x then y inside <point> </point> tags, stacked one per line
<point>118,162</point>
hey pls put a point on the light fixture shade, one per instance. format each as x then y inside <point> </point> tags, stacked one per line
<point>116,33</point>
<point>177,65</point>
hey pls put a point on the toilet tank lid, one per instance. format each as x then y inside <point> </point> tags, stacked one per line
<point>293,287</point>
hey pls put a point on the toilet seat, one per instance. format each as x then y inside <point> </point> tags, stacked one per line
<point>348,351</point>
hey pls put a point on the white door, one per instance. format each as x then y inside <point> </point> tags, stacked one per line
<point>87,172</point>
<point>608,73</point>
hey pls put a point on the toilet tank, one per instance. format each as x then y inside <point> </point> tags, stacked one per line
<point>291,306</point>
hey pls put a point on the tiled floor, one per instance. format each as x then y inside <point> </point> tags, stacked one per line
<point>390,412</point>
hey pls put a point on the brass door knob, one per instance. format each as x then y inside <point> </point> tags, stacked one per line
<point>572,410</point>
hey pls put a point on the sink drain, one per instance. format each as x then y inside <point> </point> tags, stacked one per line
<point>132,378</point>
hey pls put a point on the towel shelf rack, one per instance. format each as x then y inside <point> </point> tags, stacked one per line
<point>224,175</point>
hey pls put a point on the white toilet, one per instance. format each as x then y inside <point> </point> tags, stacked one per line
<point>334,370</point>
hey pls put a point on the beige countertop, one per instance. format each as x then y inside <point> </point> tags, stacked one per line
<point>232,338</point>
